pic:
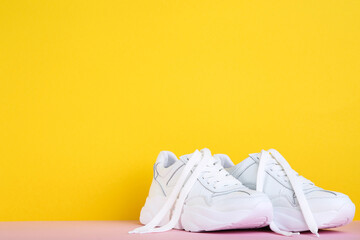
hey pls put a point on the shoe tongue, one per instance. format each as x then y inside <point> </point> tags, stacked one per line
<point>206,151</point>
<point>185,158</point>
<point>255,156</point>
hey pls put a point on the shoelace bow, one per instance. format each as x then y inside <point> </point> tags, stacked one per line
<point>200,162</point>
<point>296,181</point>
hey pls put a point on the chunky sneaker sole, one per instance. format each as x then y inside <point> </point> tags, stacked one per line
<point>255,212</point>
<point>331,213</point>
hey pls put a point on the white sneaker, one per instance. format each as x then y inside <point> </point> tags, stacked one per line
<point>196,193</point>
<point>298,204</point>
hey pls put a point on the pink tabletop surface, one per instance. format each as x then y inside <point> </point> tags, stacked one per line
<point>109,230</point>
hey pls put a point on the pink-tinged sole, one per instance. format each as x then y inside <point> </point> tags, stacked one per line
<point>118,230</point>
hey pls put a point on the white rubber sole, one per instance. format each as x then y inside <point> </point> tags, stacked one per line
<point>200,218</point>
<point>293,220</point>
<point>197,219</point>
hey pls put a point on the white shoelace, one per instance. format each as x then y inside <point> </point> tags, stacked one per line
<point>296,181</point>
<point>198,163</point>
<point>216,176</point>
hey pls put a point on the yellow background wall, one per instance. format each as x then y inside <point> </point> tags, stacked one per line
<point>91,91</point>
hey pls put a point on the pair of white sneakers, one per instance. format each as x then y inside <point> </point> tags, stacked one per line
<point>202,192</point>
